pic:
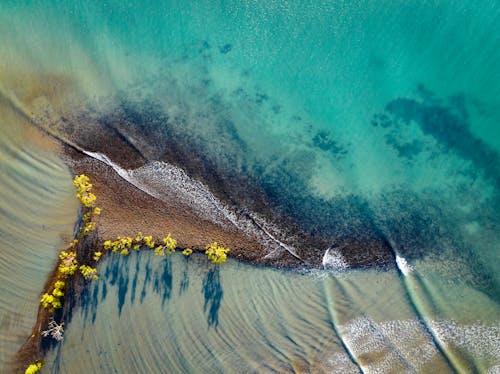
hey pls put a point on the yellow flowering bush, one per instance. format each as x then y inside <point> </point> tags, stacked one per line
<point>59,284</point>
<point>33,368</point>
<point>187,252</point>
<point>120,244</point>
<point>53,301</point>
<point>68,269</point>
<point>125,252</point>
<point>50,302</point>
<point>170,243</point>
<point>68,264</point>
<point>216,253</point>
<point>148,241</point>
<point>89,272</point>
<point>89,226</point>
<point>97,256</point>
<point>64,255</point>
<point>159,251</point>
<point>139,237</point>
<point>83,187</point>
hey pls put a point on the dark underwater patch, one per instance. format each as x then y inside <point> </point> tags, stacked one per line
<point>323,141</point>
<point>225,49</point>
<point>213,294</point>
<point>447,122</point>
<point>205,142</point>
<point>404,149</point>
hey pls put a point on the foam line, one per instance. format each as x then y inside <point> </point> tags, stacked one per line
<point>195,194</point>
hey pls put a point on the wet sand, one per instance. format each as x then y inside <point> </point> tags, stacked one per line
<point>126,210</point>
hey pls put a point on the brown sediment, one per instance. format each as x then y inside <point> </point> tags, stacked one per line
<point>126,210</point>
<point>32,350</point>
<point>125,138</point>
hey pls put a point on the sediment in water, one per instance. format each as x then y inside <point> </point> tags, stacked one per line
<point>156,176</point>
<point>35,346</point>
<point>157,180</point>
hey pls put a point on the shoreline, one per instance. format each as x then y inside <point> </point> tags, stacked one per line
<point>126,210</point>
<point>257,226</point>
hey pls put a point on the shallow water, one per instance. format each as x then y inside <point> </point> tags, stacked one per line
<point>358,119</point>
<point>36,220</point>
<point>150,313</point>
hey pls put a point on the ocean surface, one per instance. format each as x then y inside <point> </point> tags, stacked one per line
<point>359,119</point>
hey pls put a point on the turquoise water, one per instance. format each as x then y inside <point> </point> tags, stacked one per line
<point>361,120</point>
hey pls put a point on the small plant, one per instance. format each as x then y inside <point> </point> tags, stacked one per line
<point>34,368</point>
<point>89,226</point>
<point>159,251</point>
<point>149,242</point>
<point>86,217</point>
<point>68,265</point>
<point>89,272</point>
<point>53,301</point>
<point>187,252</point>
<point>50,302</point>
<point>55,331</point>
<point>163,250</point>
<point>83,187</point>
<point>139,237</point>
<point>170,243</point>
<point>120,244</point>
<point>216,253</point>
<point>97,256</point>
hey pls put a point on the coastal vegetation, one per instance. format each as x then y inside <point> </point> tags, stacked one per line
<point>68,264</point>
<point>216,253</point>
<point>123,244</point>
<point>53,301</point>
<point>187,252</point>
<point>34,368</point>
<point>78,261</point>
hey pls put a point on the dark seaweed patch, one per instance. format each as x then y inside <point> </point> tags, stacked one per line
<point>225,49</point>
<point>323,141</point>
<point>261,98</point>
<point>449,126</point>
<point>381,120</point>
<point>404,149</point>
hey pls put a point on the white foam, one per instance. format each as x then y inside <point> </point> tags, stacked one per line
<point>403,265</point>
<point>396,344</point>
<point>165,182</point>
<point>481,339</point>
<point>333,259</point>
<point>405,342</point>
